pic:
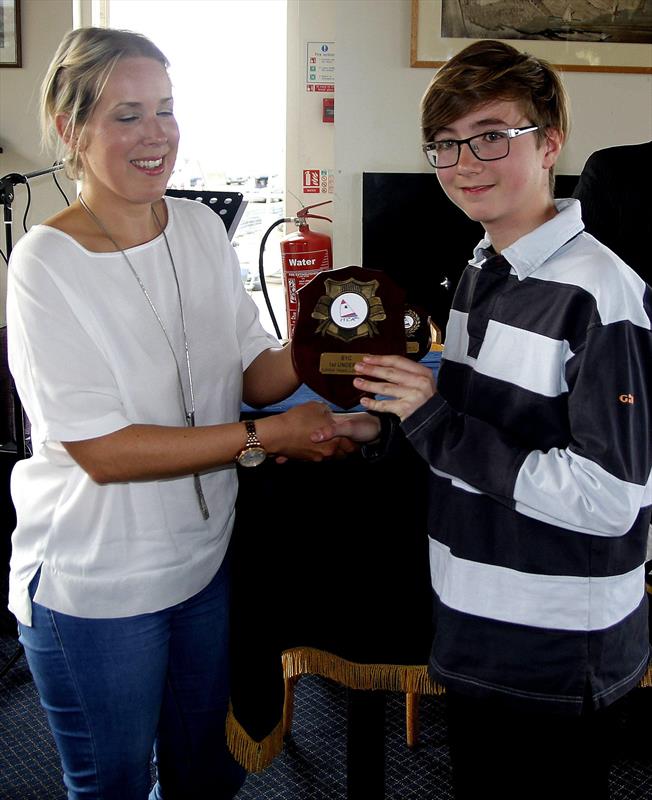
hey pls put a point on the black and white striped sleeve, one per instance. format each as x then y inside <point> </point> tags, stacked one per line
<point>596,484</point>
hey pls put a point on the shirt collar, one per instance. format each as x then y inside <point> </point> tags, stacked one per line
<point>529,252</point>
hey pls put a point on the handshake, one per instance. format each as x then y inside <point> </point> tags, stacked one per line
<point>313,432</point>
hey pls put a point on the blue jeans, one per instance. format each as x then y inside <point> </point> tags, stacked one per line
<point>116,690</point>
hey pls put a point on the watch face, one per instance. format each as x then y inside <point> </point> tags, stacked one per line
<point>252,457</point>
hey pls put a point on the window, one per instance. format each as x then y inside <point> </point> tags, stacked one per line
<point>228,69</point>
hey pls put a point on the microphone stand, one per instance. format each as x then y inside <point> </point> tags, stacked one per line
<point>7,186</point>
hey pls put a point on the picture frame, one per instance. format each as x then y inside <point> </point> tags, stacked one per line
<point>428,48</point>
<point>10,51</point>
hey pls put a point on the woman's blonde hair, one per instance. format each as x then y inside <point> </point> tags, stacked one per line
<point>76,79</point>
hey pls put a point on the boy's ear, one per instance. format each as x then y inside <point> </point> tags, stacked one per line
<point>552,147</point>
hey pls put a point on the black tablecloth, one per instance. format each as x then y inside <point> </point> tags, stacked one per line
<point>331,558</point>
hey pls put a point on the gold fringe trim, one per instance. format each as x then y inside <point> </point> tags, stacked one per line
<point>255,756</point>
<point>252,755</point>
<point>385,677</point>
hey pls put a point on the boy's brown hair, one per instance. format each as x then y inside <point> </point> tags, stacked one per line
<point>489,70</point>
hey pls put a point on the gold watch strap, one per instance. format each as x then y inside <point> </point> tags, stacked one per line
<point>252,437</point>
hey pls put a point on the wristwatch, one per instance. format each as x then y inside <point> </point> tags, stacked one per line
<point>253,453</point>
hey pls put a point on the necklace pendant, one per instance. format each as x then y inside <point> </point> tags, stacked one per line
<point>203,506</point>
<point>190,419</point>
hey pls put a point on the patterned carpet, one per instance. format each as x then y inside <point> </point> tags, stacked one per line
<point>312,766</point>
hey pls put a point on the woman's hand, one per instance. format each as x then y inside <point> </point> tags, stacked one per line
<point>407,384</point>
<point>289,435</point>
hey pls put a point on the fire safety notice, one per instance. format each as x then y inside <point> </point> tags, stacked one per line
<point>318,181</point>
<point>320,67</point>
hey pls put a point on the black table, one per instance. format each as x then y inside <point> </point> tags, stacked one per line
<point>331,570</point>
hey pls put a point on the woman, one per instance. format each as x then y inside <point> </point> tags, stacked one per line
<point>127,323</point>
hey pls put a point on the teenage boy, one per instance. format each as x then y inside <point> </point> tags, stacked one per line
<point>538,435</point>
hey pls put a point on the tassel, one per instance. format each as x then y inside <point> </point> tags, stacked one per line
<point>252,755</point>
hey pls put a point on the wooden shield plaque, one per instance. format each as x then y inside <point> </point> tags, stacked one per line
<point>343,315</point>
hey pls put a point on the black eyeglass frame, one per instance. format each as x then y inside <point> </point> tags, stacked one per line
<point>510,133</point>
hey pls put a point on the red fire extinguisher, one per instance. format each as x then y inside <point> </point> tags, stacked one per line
<point>304,253</point>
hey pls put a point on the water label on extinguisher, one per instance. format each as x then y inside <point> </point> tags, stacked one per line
<point>300,270</point>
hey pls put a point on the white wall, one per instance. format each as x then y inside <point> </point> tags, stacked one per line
<point>378,94</point>
<point>43,24</point>
<point>377,108</point>
<point>310,143</point>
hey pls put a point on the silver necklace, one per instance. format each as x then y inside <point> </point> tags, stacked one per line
<point>189,414</point>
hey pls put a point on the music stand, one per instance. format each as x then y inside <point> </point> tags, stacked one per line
<point>229,206</point>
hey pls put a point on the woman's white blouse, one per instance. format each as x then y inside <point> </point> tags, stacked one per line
<point>89,358</point>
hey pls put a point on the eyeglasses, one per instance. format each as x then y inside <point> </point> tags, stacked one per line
<point>488,146</point>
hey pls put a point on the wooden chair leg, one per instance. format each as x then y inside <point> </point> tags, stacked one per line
<point>412,719</point>
<point>288,705</point>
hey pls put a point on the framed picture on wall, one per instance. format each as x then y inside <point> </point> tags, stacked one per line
<point>10,33</point>
<point>601,36</point>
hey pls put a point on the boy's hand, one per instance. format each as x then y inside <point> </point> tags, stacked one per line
<point>289,435</point>
<point>407,384</point>
<point>357,427</point>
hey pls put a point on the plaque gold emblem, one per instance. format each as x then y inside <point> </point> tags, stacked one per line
<point>342,317</point>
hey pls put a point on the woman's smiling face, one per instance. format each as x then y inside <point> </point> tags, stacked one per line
<point>129,145</point>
